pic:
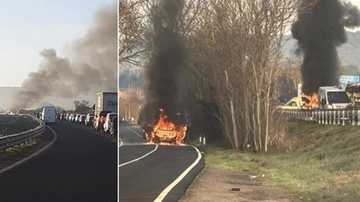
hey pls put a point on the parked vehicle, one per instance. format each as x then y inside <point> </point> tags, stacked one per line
<point>48,114</point>
<point>76,118</point>
<point>106,102</point>
<point>113,127</point>
<point>89,119</point>
<point>108,121</point>
<point>81,118</point>
<point>71,117</point>
<point>330,97</point>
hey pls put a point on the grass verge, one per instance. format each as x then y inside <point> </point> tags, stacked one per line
<point>25,123</point>
<point>18,148</point>
<point>323,166</point>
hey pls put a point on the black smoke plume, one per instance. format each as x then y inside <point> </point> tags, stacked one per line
<point>93,69</point>
<point>166,68</point>
<point>319,31</point>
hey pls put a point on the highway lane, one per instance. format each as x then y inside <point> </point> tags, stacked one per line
<point>154,168</point>
<point>79,166</point>
<point>7,118</point>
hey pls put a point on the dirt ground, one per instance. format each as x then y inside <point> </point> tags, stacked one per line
<point>214,184</point>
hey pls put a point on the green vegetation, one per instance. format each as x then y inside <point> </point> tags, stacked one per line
<point>323,164</point>
<point>18,148</point>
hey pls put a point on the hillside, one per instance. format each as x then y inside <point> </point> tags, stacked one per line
<point>348,53</point>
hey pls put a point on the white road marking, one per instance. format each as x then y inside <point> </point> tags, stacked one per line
<point>32,155</point>
<point>134,132</point>
<point>137,159</point>
<point>177,180</point>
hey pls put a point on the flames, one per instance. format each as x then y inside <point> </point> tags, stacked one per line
<point>311,101</point>
<point>165,131</point>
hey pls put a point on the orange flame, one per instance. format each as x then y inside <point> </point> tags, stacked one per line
<point>313,101</point>
<point>166,132</point>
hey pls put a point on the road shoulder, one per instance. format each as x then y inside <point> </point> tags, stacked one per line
<point>215,184</point>
<point>9,158</point>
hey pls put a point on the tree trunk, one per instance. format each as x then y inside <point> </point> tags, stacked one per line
<point>235,135</point>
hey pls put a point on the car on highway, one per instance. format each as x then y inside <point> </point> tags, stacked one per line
<point>71,117</point>
<point>48,114</point>
<point>76,119</point>
<point>108,121</point>
<point>81,118</point>
<point>89,119</point>
<point>113,128</point>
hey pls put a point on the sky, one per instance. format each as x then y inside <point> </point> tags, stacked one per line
<point>357,3</point>
<point>27,27</point>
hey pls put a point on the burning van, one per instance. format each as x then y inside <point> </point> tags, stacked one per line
<point>164,130</point>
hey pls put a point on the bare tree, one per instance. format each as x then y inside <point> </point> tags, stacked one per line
<point>131,30</point>
<point>236,62</point>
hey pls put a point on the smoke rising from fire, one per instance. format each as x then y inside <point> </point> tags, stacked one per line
<point>166,68</point>
<point>319,32</point>
<point>93,69</point>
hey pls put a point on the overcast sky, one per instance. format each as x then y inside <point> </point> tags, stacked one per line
<point>26,27</point>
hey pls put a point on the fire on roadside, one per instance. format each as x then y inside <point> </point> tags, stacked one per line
<point>312,101</point>
<point>164,130</point>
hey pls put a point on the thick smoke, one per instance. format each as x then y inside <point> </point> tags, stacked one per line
<point>93,69</point>
<point>166,69</point>
<point>319,32</point>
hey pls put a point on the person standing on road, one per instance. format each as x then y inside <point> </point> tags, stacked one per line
<point>101,122</point>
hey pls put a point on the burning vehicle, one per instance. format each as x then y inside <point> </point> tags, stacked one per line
<point>164,130</point>
<point>328,97</point>
<point>162,117</point>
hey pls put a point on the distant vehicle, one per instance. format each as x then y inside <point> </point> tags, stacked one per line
<point>106,102</point>
<point>331,97</point>
<point>81,118</point>
<point>48,114</point>
<point>76,118</point>
<point>89,119</point>
<point>113,127</point>
<point>108,121</point>
<point>71,117</point>
<point>294,103</point>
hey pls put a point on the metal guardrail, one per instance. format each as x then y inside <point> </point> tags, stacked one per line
<point>326,116</point>
<point>8,141</point>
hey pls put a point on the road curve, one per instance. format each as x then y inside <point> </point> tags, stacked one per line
<point>79,166</point>
<point>155,173</point>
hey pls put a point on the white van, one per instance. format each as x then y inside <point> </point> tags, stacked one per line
<point>108,120</point>
<point>48,114</point>
<point>330,97</point>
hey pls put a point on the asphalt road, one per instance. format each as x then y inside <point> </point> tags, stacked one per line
<point>145,179</point>
<point>7,118</point>
<point>79,166</point>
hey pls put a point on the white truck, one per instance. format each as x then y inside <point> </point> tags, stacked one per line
<point>106,102</point>
<point>332,97</point>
